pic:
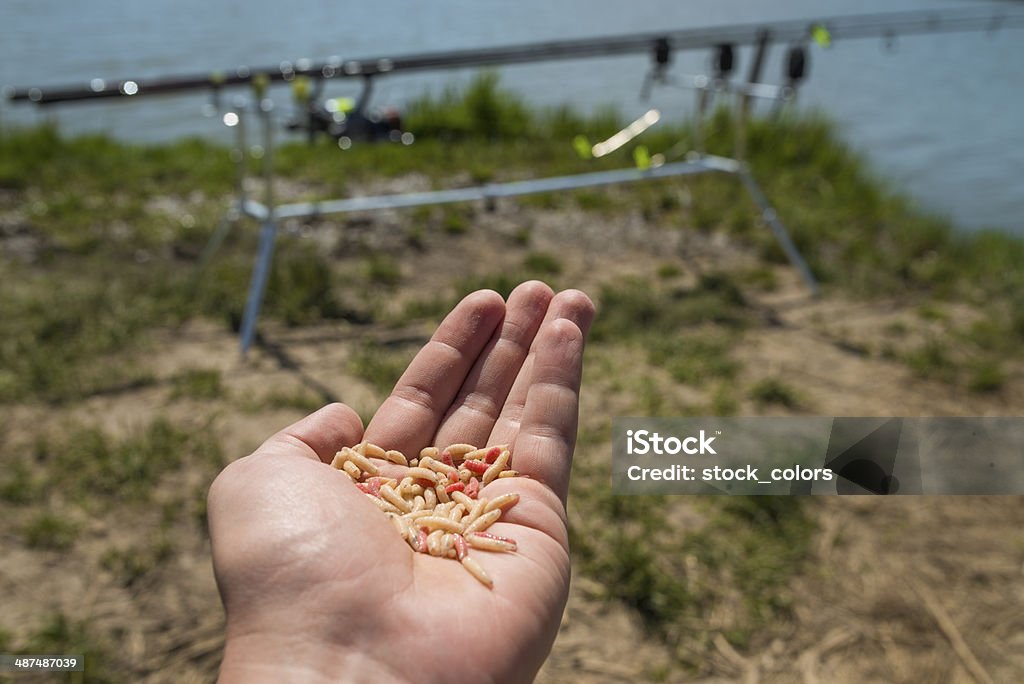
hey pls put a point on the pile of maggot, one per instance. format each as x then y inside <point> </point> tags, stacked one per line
<point>436,505</point>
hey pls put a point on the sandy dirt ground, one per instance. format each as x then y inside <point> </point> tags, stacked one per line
<point>913,589</point>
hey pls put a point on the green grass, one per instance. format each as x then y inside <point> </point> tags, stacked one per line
<point>456,220</point>
<point>693,358</point>
<point>723,403</point>
<point>634,309</point>
<point>675,578</point>
<point>932,360</point>
<point>775,392</point>
<point>383,269</point>
<point>74,326</point>
<point>86,466</point>
<point>688,331</point>
<point>651,399</point>
<point>197,383</point>
<point>379,365</point>
<point>49,530</point>
<point>97,166</point>
<point>57,334</point>
<point>543,264</point>
<point>110,264</point>
<point>299,399</point>
<point>483,111</point>
<point>18,486</point>
<point>60,634</point>
<point>419,308</point>
<point>109,267</point>
<point>628,564</point>
<point>669,270</point>
<point>759,542</point>
<point>133,563</point>
<point>303,286</point>
<point>987,376</point>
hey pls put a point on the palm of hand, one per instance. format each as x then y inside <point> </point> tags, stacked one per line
<point>298,550</point>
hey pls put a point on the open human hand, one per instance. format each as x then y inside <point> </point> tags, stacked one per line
<point>316,584</point>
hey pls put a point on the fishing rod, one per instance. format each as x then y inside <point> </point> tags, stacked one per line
<point>823,31</point>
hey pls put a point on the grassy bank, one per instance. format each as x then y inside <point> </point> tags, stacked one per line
<point>114,229</point>
<point>99,248</point>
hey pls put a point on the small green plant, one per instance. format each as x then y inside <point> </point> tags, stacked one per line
<point>932,360</point>
<point>651,398</point>
<point>416,237</point>
<point>625,558</point>
<point>18,486</point>
<point>481,172</point>
<point>695,357</point>
<point>299,399</point>
<point>723,403</point>
<point>132,563</point>
<point>658,673</point>
<point>503,283</point>
<point>61,634</point>
<point>49,530</point>
<point>454,222</point>
<point>302,286</point>
<point>378,366</point>
<point>775,392</point>
<point>932,311</point>
<point>769,538</point>
<point>522,236</point>
<point>990,335</point>
<point>896,329</point>
<point>740,560</point>
<point>427,307</point>
<point>668,270</point>
<point>986,376</point>
<point>198,383</point>
<point>129,565</point>
<point>383,269</point>
<point>88,466</point>
<point>542,264</point>
<point>594,200</point>
<point>546,201</point>
<point>482,111</point>
<point>762,277</point>
<point>633,309</point>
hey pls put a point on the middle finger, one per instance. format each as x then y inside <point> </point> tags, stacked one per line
<point>480,400</point>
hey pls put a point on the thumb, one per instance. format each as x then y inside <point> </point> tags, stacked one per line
<point>322,433</point>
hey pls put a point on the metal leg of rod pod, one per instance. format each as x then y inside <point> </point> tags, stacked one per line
<point>740,147</point>
<point>771,217</point>
<point>268,235</point>
<point>237,208</point>
<point>258,285</point>
<point>702,86</point>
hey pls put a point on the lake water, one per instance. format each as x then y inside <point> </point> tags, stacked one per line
<point>939,115</point>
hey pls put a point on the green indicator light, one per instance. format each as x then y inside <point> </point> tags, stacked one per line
<point>259,84</point>
<point>820,34</point>
<point>582,146</point>
<point>642,157</point>
<point>301,89</point>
